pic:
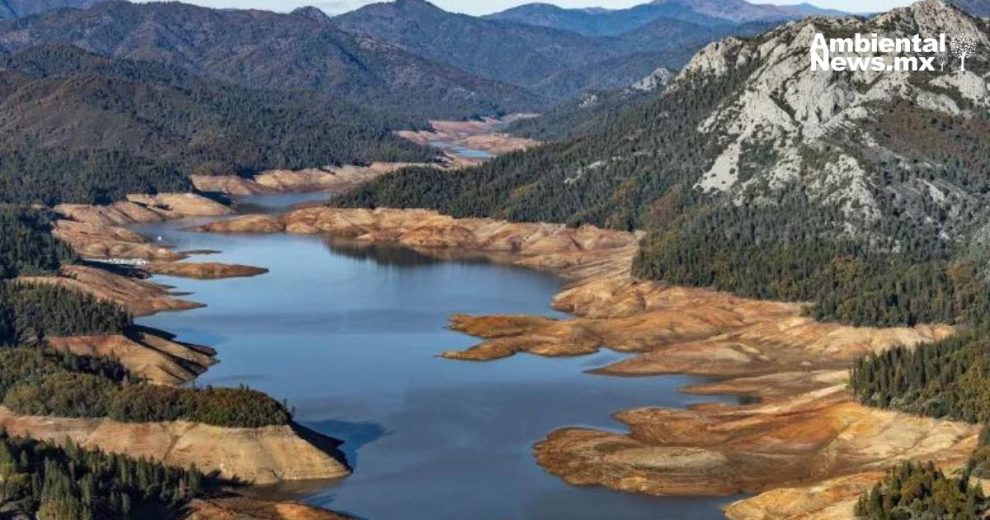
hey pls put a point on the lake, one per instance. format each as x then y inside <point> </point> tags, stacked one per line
<point>349,336</point>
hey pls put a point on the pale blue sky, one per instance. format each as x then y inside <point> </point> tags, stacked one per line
<point>489,6</point>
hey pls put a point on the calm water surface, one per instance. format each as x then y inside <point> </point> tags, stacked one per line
<point>350,337</point>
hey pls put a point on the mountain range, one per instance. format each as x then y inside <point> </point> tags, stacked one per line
<point>613,22</point>
<point>758,176</point>
<point>19,8</point>
<point>264,50</point>
<point>76,126</point>
<point>559,53</point>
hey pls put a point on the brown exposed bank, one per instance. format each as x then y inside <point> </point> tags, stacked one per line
<point>806,438</point>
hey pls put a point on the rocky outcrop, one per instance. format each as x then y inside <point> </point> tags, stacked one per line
<point>139,297</point>
<point>255,455</point>
<point>205,270</point>
<point>150,356</point>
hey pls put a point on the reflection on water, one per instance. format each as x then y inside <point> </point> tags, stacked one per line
<point>350,336</point>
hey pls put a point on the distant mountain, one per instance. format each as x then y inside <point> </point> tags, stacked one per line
<point>515,53</point>
<point>740,11</point>
<point>602,22</point>
<point>865,194</point>
<point>553,61</point>
<point>75,126</point>
<point>609,22</point>
<point>264,50</point>
<point>18,8</point>
<point>979,8</point>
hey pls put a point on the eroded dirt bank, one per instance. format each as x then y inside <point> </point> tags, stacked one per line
<point>807,437</point>
<point>252,455</point>
<point>338,179</point>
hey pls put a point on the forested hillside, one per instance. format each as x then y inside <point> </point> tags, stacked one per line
<point>265,50</point>
<point>77,127</point>
<point>18,8</point>
<point>553,52</point>
<point>29,313</point>
<point>51,483</point>
<point>756,176</point>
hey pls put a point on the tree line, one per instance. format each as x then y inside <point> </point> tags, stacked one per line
<point>38,381</point>
<point>53,483</point>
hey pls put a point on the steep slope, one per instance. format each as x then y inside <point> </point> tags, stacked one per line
<point>555,62</point>
<point>18,8</point>
<point>264,50</point>
<point>862,192</point>
<point>77,127</point>
<point>511,52</point>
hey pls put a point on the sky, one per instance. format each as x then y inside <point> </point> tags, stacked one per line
<point>478,7</point>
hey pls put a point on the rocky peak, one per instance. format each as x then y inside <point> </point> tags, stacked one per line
<point>313,13</point>
<point>655,81</point>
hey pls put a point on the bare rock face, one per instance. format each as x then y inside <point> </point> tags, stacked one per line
<point>256,455</point>
<point>139,297</point>
<point>152,357</point>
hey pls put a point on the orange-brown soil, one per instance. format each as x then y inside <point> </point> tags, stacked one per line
<point>150,356</point>
<point>338,179</point>
<point>254,455</point>
<point>139,297</point>
<point>237,507</point>
<point>205,270</point>
<point>100,231</point>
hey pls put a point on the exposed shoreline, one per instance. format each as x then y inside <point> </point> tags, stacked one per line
<point>806,433</point>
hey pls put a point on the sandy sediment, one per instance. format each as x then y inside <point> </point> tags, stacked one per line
<point>253,455</point>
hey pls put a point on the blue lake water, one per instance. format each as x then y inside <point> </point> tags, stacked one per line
<point>350,337</point>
